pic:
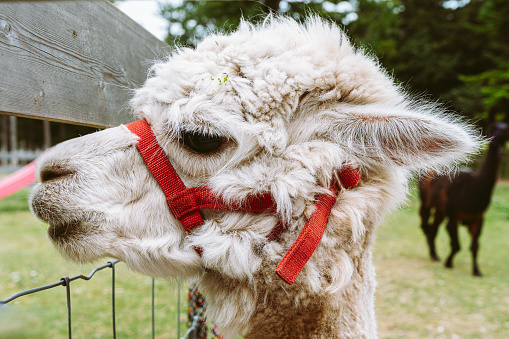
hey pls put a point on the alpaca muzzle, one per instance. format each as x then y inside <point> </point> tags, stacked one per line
<point>184,203</point>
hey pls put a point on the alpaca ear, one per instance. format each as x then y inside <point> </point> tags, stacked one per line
<point>411,139</point>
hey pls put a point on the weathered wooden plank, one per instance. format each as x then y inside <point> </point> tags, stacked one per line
<point>72,61</point>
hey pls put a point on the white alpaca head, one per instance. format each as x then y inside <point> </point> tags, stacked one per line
<point>287,104</point>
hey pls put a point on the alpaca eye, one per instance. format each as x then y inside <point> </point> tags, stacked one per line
<point>201,143</point>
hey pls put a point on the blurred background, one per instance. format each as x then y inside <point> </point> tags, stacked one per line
<point>455,52</point>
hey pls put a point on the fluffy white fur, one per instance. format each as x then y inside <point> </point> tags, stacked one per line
<point>294,103</point>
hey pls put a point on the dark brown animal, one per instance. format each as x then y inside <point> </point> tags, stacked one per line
<point>462,197</point>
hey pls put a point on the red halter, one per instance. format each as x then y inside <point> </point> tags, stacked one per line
<point>185,203</point>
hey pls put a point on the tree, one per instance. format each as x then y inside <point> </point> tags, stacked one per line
<point>191,20</point>
<point>492,81</point>
<point>376,26</point>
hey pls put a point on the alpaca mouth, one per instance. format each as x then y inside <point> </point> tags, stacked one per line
<point>48,205</point>
<point>73,240</point>
<point>59,231</point>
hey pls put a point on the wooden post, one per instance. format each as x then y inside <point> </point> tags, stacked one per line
<point>46,131</point>
<point>62,129</point>
<point>5,133</point>
<point>14,141</point>
<point>5,140</point>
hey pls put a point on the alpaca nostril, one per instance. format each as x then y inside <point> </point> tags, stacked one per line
<point>54,172</point>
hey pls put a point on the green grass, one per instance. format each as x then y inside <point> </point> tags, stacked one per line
<point>416,298</point>
<point>27,260</point>
<point>419,298</point>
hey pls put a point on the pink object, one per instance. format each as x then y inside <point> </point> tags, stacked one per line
<point>17,180</point>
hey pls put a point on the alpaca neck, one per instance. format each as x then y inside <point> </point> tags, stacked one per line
<point>487,176</point>
<point>348,313</point>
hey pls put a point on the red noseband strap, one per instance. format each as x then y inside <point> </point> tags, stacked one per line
<point>185,203</point>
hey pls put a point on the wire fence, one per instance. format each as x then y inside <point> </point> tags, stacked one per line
<point>196,306</point>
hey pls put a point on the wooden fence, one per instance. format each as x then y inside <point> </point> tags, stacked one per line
<point>72,61</point>
<point>68,61</point>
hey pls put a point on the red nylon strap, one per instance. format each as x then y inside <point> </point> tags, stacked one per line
<point>185,203</point>
<point>298,255</point>
<point>303,248</point>
<point>348,177</point>
<point>161,168</point>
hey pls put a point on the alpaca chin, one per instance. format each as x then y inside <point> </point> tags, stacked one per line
<point>79,248</point>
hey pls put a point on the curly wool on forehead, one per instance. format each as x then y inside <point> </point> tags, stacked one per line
<point>255,78</point>
<point>316,55</point>
<point>277,36</point>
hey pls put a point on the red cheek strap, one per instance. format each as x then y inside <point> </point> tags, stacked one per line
<point>183,205</point>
